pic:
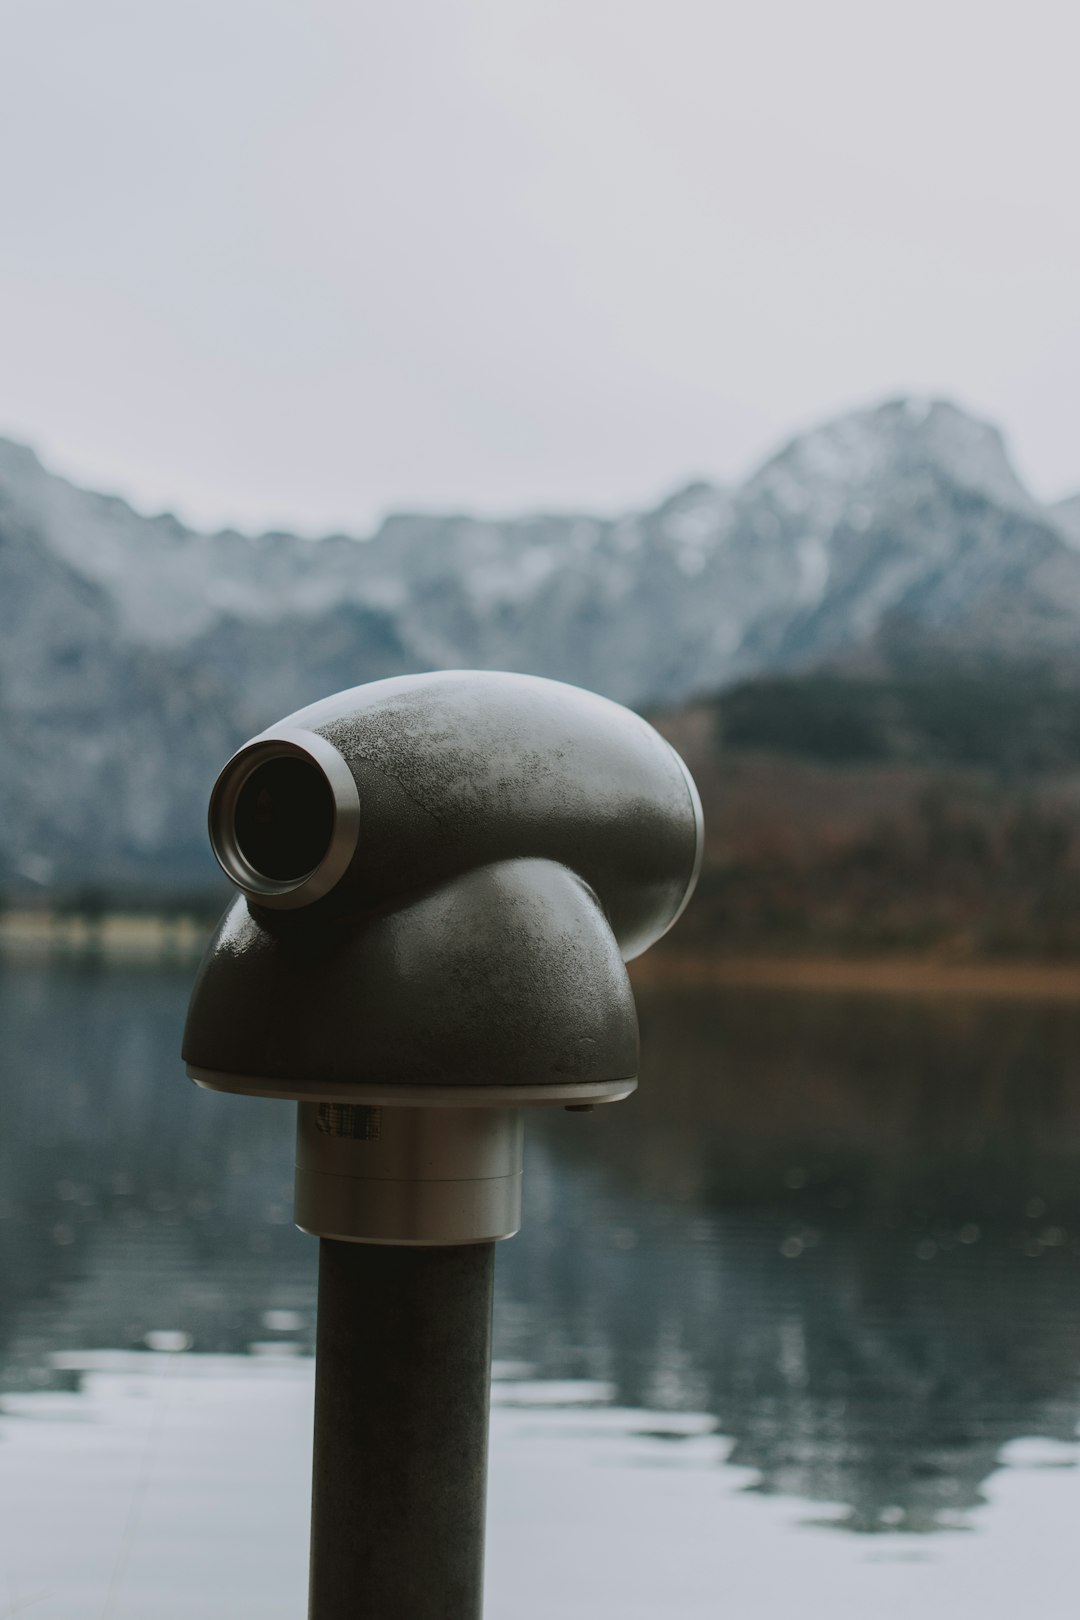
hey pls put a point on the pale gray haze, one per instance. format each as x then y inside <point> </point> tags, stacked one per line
<point>302,261</point>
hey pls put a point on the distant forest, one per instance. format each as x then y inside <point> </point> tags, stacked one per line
<point>930,812</point>
<point>1013,723</point>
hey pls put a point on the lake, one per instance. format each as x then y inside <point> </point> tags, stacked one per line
<point>795,1328</point>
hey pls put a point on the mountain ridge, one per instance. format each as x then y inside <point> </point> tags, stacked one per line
<point>137,652</point>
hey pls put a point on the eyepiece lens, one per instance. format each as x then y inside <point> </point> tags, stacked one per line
<point>284,818</point>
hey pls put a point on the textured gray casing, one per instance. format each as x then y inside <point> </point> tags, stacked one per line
<point>517,840</point>
<point>504,976</point>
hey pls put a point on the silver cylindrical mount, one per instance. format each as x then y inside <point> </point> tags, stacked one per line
<point>403,1175</point>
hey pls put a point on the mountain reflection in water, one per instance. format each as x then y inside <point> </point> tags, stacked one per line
<point>847,1227</point>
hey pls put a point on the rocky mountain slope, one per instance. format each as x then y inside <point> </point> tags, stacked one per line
<point>135,653</point>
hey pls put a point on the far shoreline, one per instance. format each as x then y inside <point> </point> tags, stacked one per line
<point>914,976</point>
<point>148,938</point>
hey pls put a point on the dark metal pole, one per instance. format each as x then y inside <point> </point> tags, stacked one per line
<point>402,1389</point>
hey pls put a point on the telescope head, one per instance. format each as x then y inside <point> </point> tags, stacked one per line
<point>441,877</point>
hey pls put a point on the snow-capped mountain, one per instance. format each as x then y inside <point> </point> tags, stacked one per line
<point>135,653</point>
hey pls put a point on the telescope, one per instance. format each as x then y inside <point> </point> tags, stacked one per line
<point>440,880</point>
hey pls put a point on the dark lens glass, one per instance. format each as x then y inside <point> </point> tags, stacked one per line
<point>284,818</point>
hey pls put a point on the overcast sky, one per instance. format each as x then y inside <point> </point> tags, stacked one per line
<point>301,261</point>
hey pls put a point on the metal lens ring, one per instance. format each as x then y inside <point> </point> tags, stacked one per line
<point>285,819</point>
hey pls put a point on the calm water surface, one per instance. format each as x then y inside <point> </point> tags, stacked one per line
<point>799,1326</point>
